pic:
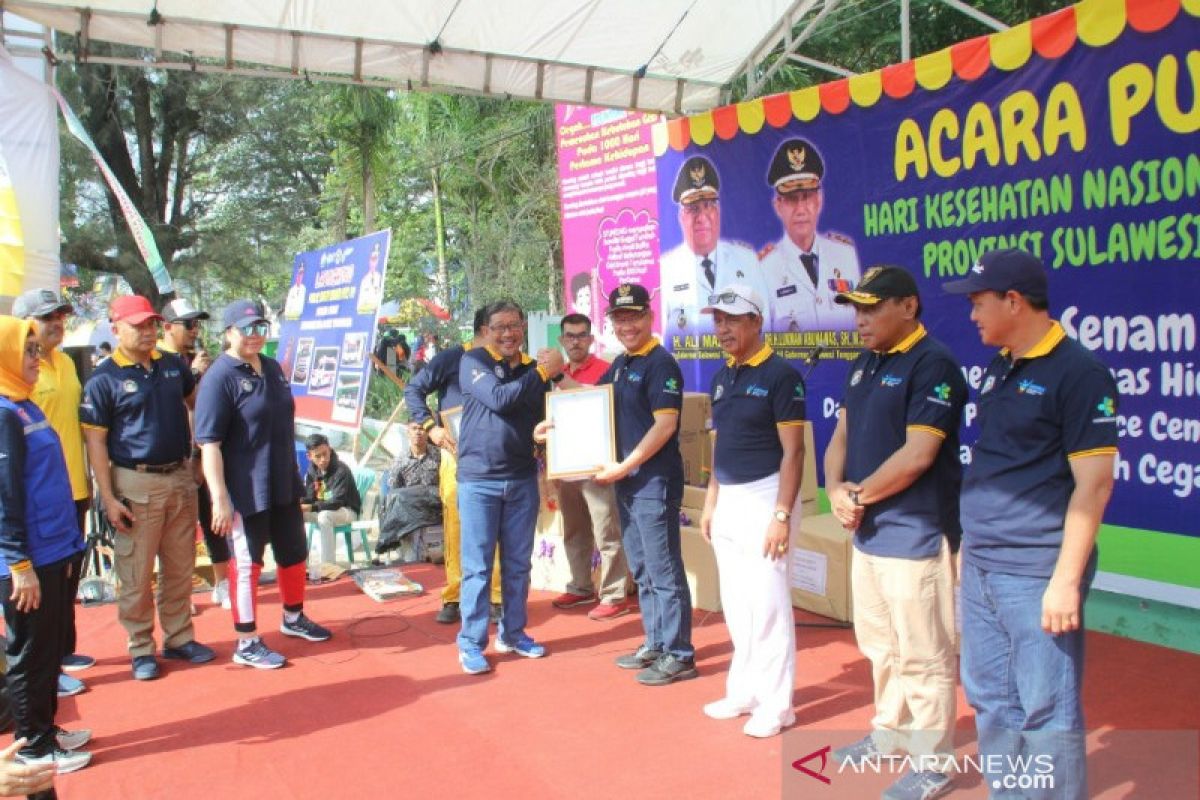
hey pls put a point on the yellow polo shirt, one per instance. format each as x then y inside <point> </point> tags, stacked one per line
<point>58,394</point>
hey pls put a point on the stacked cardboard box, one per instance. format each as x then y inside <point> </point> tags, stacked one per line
<point>821,567</point>
<point>694,440</point>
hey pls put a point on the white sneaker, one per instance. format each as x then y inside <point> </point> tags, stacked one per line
<point>64,761</point>
<point>220,595</point>
<point>764,727</point>
<point>72,740</point>
<point>725,709</point>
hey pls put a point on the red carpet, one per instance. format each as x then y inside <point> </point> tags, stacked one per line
<point>382,710</point>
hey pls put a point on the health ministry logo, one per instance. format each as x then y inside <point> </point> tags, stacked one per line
<point>942,390</point>
<point>1107,407</point>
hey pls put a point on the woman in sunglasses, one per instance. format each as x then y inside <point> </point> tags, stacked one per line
<point>245,425</point>
<point>39,540</point>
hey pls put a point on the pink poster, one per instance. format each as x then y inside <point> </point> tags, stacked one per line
<point>607,187</point>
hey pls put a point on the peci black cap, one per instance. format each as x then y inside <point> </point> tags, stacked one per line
<point>797,165</point>
<point>630,296</point>
<point>1003,271</point>
<point>697,180</point>
<point>879,283</point>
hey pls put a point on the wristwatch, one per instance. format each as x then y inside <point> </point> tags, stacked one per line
<point>782,516</point>
<point>854,498</point>
<point>558,378</point>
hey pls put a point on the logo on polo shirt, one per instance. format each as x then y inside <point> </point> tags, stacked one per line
<point>1108,410</point>
<point>130,386</point>
<point>798,394</point>
<point>476,374</point>
<point>988,385</point>
<point>499,370</point>
<point>1030,388</point>
<point>246,385</point>
<point>671,386</point>
<point>633,377</point>
<point>720,392</point>
<point>941,394</point>
<point>856,378</point>
<point>754,390</point>
<point>891,381</point>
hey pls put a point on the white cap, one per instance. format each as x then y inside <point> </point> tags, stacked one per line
<point>737,298</point>
<point>182,310</point>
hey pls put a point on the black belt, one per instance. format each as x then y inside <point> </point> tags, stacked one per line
<point>154,469</point>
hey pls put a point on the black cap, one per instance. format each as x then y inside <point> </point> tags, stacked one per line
<point>797,165</point>
<point>1003,271</point>
<point>630,296</point>
<point>879,283</point>
<point>697,180</point>
<point>242,312</point>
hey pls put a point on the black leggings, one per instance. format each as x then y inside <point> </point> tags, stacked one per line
<point>35,642</point>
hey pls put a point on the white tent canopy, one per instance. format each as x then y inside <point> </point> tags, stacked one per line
<point>674,56</point>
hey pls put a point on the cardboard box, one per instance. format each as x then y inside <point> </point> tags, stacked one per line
<point>700,564</point>
<point>808,483</point>
<point>821,567</point>
<point>694,440</point>
<point>550,570</point>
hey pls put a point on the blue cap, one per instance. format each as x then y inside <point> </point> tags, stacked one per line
<point>1002,271</point>
<point>242,312</point>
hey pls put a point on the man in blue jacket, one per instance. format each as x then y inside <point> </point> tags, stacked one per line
<point>440,376</point>
<point>503,400</point>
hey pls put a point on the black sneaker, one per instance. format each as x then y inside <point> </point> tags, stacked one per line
<point>496,613</point>
<point>643,658</point>
<point>449,614</point>
<point>667,669</point>
<point>304,628</point>
<point>64,761</point>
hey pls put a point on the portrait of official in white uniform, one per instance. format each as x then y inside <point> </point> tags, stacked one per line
<point>691,271</point>
<point>806,269</point>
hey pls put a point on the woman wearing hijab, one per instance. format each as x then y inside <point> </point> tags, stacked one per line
<point>39,537</point>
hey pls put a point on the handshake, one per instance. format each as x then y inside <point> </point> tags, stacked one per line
<point>550,360</point>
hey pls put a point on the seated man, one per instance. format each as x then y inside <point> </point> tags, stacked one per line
<point>330,494</point>
<point>412,501</point>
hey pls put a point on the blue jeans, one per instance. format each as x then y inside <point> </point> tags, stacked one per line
<point>650,533</point>
<point>492,511</point>
<point>1024,685</point>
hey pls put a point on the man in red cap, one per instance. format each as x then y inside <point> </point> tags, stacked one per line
<point>135,421</point>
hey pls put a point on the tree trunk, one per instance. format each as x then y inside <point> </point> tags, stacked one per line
<point>443,274</point>
<point>368,196</point>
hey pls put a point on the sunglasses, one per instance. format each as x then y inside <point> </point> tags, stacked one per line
<point>731,297</point>
<point>188,324</point>
<point>261,328</point>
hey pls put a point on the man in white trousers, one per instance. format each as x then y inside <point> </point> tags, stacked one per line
<point>751,509</point>
<point>893,476</point>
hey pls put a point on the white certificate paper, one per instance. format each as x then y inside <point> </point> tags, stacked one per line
<point>584,434</point>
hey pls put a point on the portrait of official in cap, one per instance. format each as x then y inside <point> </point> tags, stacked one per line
<point>806,268</point>
<point>692,270</point>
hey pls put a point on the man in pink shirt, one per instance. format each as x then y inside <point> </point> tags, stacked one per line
<point>589,509</point>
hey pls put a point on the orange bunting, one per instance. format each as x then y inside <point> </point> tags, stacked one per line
<point>1054,34</point>
<point>725,120</point>
<point>899,80</point>
<point>835,96</point>
<point>778,108</point>
<point>1148,16</point>
<point>971,58</point>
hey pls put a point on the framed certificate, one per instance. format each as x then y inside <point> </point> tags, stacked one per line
<point>451,420</point>
<point>584,434</point>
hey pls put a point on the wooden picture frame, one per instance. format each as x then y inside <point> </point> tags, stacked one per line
<point>584,436</point>
<point>452,421</point>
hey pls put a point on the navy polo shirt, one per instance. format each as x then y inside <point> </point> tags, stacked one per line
<point>750,402</point>
<point>142,409</point>
<point>501,406</point>
<point>253,418</point>
<point>439,375</point>
<point>645,383</point>
<point>916,385</point>
<point>1037,413</point>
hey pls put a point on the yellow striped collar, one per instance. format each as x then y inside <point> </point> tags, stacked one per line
<point>644,349</point>
<point>910,341</point>
<point>122,360</point>
<point>762,355</point>
<point>1045,345</point>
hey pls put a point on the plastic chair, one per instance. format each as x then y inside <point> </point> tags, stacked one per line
<point>364,480</point>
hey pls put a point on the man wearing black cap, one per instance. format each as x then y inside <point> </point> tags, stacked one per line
<point>648,397</point>
<point>703,261</point>
<point>893,475</point>
<point>181,331</point>
<point>58,394</point>
<point>805,270</point>
<point>1033,498</point>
